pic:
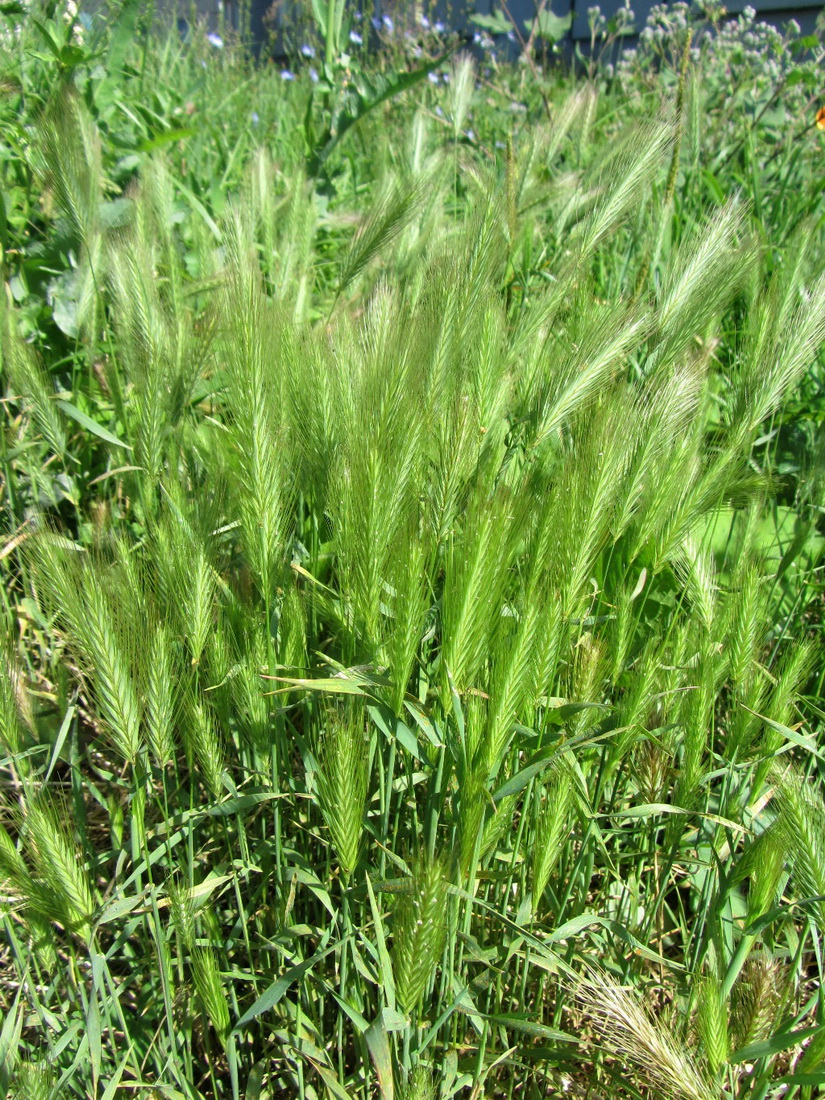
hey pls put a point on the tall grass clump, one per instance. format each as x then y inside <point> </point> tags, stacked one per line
<point>409,659</point>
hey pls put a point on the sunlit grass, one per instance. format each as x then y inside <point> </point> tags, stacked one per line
<point>411,605</point>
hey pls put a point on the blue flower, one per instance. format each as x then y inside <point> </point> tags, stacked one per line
<point>255,118</point>
<point>388,23</point>
<point>355,38</point>
<point>307,50</point>
<point>376,22</point>
<point>432,77</point>
<point>287,75</point>
<point>215,40</point>
<point>313,75</point>
<point>424,21</point>
<point>439,27</point>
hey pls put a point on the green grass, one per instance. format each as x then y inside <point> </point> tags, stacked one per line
<point>411,579</point>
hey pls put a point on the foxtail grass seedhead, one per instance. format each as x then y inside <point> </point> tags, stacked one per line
<point>756,999</point>
<point>471,810</point>
<point>343,780</point>
<point>410,604</point>
<point>10,725</point>
<point>159,677</point>
<point>392,211</point>
<point>203,739</point>
<point>801,824</point>
<point>628,1032</point>
<point>33,1082</point>
<point>80,590</point>
<point>744,637</point>
<point>783,347</point>
<point>514,653</point>
<point>712,1022</point>
<point>72,163</point>
<point>707,273</point>
<point>62,877</point>
<point>500,818</point>
<point>419,1085</point>
<point>418,933</point>
<point>182,911</point>
<point>14,873</point>
<point>694,568</point>
<point>462,85</point>
<point>766,859</point>
<point>30,382</point>
<point>33,899</point>
<point>552,829</point>
<point>210,990</point>
<point>623,179</point>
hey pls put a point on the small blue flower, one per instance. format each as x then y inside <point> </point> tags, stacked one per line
<point>356,38</point>
<point>389,26</point>
<point>471,135</point>
<point>432,77</point>
<point>307,50</point>
<point>255,118</point>
<point>287,75</point>
<point>215,40</point>
<point>424,21</point>
<point>439,27</point>
<point>376,22</point>
<point>439,112</point>
<point>313,75</point>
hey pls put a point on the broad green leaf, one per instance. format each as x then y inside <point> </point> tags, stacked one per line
<point>550,26</point>
<point>495,24</point>
<point>518,1021</point>
<point>379,1048</point>
<point>789,734</point>
<point>166,138</point>
<point>276,991</point>
<point>91,425</point>
<point>783,1040</point>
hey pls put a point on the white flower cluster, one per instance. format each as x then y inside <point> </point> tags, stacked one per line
<point>10,32</point>
<point>606,31</point>
<point>732,51</point>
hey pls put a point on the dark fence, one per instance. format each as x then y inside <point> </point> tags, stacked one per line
<point>259,14</point>
<point>771,11</point>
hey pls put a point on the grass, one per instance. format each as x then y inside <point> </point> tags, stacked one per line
<point>411,589</point>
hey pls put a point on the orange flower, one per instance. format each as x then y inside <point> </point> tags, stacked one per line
<point>820,119</point>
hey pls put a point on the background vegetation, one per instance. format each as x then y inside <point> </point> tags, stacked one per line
<point>411,502</point>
